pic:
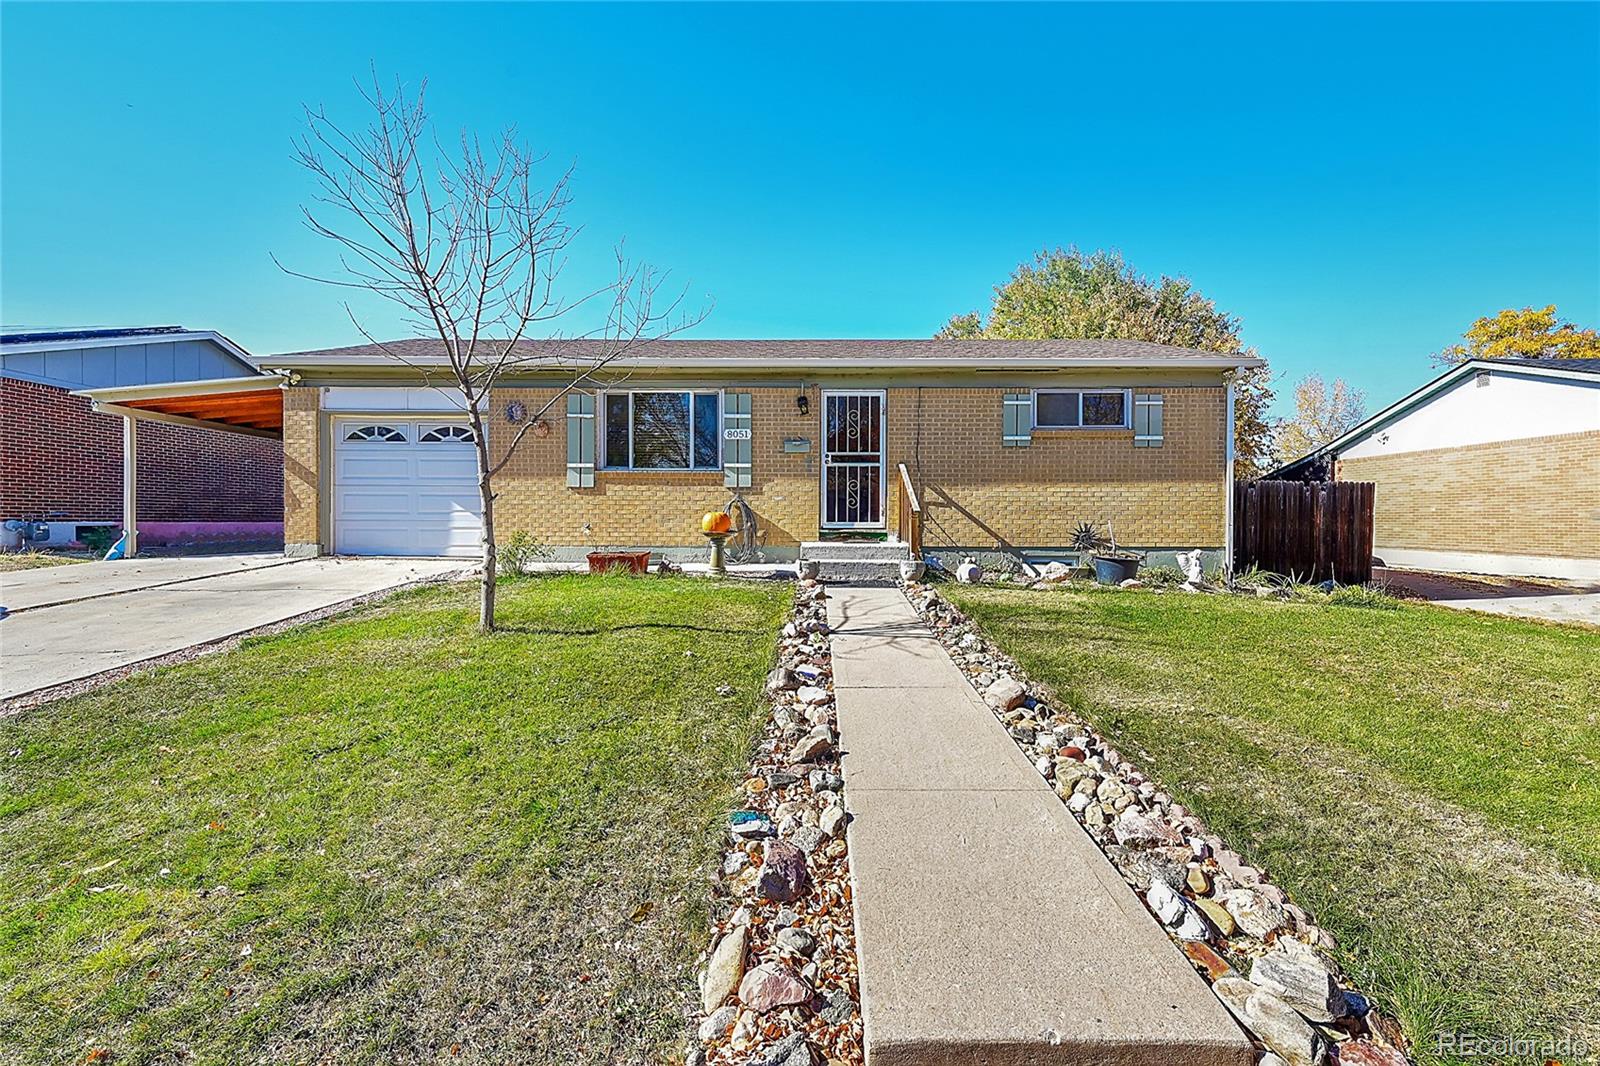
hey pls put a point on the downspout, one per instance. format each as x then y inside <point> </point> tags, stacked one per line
<point>1227,499</point>
<point>130,486</point>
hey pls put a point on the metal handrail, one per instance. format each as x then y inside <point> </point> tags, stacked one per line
<point>910,513</point>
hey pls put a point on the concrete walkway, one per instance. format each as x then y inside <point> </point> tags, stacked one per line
<point>71,623</point>
<point>1553,601</point>
<point>990,927</point>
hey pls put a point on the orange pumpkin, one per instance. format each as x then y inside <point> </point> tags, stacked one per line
<point>715,522</point>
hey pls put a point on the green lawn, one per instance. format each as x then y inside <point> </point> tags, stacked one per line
<point>383,838</point>
<point>1426,781</point>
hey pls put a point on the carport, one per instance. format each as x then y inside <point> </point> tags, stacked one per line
<point>252,406</point>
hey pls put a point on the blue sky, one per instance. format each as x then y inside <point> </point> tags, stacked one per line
<point>1355,182</point>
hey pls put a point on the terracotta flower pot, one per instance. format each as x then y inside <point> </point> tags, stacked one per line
<point>636,562</point>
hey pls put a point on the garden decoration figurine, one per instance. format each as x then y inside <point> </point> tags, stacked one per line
<point>1193,572</point>
<point>969,572</point>
<point>717,527</point>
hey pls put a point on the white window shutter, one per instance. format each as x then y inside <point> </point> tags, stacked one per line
<point>1016,422</point>
<point>1147,420</point>
<point>737,432</point>
<point>580,440</point>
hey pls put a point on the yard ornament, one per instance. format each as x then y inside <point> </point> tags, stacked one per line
<point>969,572</point>
<point>1189,563</point>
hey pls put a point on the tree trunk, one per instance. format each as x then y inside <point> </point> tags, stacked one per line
<point>486,538</point>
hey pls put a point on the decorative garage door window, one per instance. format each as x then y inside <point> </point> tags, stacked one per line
<point>662,431</point>
<point>1080,409</point>
<point>446,435</point>
<point>376,435</point>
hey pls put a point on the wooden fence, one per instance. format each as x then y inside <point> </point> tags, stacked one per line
<point>1308,531</point>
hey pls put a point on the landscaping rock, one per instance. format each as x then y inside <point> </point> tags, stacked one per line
<point>833,821</point>
<point>808,838</point>
<point>838,1008</point>
<point>1214,966</point>
<point>781,680</point>
<point>1361,1053</point>
<point>792,1050</point>
<point>825,781</point>
<point>796,941</point>
<point>1301,980</point>
<point>1218,915</point>
<point>749,825</point>
<point>812,694</point>
<point>783,871</point>
<point>1005,694</point>
<point>1235,993</point>
<point>1255,914</point>
<point>725,968</point>
<point>1283,1030</point>
<point>772,985</point>
<point>816,743</point>
<point>1134,828</point>
<point>719,1023</point>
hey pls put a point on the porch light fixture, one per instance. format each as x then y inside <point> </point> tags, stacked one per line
<point>802,403</point>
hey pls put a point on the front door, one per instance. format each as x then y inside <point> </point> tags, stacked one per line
<point>852,460</point>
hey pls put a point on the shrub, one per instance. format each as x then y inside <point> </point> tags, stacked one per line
<point>98,539</point>
<point>1363,596</point>
<point>1161,577</point>
<point>518,551</point>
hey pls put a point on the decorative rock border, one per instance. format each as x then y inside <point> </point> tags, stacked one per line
<point>1265,958</point>
<point>778,987</point>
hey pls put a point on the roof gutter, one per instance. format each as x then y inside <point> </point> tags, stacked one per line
<point>1221,362</point>
<point>177,389</point>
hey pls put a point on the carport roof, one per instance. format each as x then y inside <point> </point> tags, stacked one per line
<point>252,405</point>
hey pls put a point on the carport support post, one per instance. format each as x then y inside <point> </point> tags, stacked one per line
<point>130,486</point>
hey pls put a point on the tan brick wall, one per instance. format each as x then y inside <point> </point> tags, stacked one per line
<point>656,508</point>
<point>975,493</point>
<point>301,465</point>
<point>1538,496</point>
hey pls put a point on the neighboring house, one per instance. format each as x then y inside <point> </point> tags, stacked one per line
<point>1493,467</point>
<point>1007,444</point>
<point>62,463</point>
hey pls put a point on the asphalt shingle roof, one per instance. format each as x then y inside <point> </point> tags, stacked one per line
<point>688,352</point>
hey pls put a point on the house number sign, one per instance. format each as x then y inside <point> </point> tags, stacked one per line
<point>736,434</point>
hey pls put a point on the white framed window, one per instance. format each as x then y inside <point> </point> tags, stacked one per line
<point>1081,409</point>
<point>650,429</point>
<point>447,434</point>
<point>376,435</point>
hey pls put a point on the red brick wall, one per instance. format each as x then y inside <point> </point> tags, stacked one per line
<point>58,456</point>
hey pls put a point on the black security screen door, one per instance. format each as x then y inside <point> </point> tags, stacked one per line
<point>852,460</point>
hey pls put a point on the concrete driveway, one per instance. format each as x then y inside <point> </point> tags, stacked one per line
<point>70,623</point>
<point>1553,601</point>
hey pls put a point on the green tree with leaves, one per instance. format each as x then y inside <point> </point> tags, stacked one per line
<point>1067,294</point>
<point>1323,412</point>
<point>1531,333</point>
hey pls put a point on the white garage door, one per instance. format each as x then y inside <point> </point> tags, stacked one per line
<point>404,488</point>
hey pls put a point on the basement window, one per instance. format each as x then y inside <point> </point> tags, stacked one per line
<point>1080,409</point>
<point>662,431</point>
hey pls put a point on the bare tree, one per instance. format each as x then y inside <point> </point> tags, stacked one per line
<point>471,246</point>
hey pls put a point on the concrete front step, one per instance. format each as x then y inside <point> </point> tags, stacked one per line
<point>858,571</point>
<point>990,927</point>
<point>855,550</point>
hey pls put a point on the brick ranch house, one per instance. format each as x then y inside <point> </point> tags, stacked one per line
<point>1493,467</point>
<point>62,463</point>
<point>1007,445</point>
